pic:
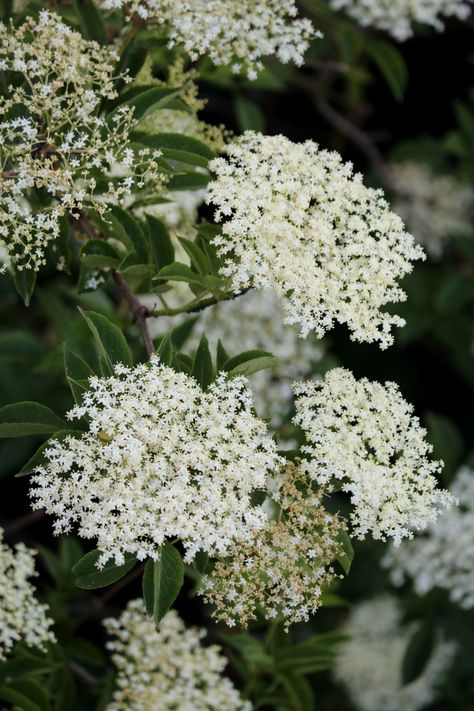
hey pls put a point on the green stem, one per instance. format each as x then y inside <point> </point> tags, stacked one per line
<point>195,305</point>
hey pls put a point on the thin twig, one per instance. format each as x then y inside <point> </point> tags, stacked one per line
<point>23,521</point>
<point>82,674</point>
<point>139,312</point>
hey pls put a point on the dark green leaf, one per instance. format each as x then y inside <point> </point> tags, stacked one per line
<point>249,115</point>
<point>89,576</point>
<point>78,373</point>
<point>178,272</point>
<point>189,181</point>
<point>165,349</point>
<point>446,440</point>
<point>38,459</point>
<point>27,418</point>
<point>391,64</point>
<point>25,281</point>
<point>202,370</point>
<point>160,240</point>
<point>418,652</point>
<point>150,99</point>
<point>222,356</point>
<point>178,147</point>
<point>129,230</point>
<point>299,691</point>
<point>198,258</point>
<point>162,581</point>
<point>91,21</point>
<point>346,555</point>
<point>27,694</point>
<point>250,362</point>
<point>110,341</point>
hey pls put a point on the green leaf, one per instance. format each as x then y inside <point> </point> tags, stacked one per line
<point>346,556</point>
<point>27,694</point>
<point>24,281</point>
<point>38,459</point>
<point>202,370</point>
<point>180,333</point>
<point>250,362</point>
<point>178,272</point>
<point>189,181</point>
<point>446,440</point>
<point>391,64</point>
<point>165,349</point>
<point>110,341</point>
<point>78,373</point>
<point>91,21</point>
<point>89,577</point>
<point>149,99</point>
<point>418,652</point>
<point>162,581</point>
<point>25,665</point>
<point>129,231</point>
<point>160,241</point>
<point>312,655</point>
<point>252,651</point>
<point>6,10</point>
<point>221,357</point>
<point>249,115</point>
<point>178,147</point>
<point>299,691</point>
<point>198,258</point>
<point>27,418</point>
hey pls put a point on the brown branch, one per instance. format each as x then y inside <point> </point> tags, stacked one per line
<point>139,312</point>
<point>23,521</point>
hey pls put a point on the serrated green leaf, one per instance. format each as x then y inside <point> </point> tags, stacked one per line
<point>198,258</point>
<point>78,373</point>
<point>165,349</point>
<point>92,25</point>
<point>38,459</point>
<point>89,577</point>
<point>24,281</point>
<point>178,147</point>
<point>221,356</point>
<point>203,371</point>
<point>110,341</point>
<point>250,362</point>
<point>162,581</point>
<point>189,181</point>
<point>418,652</point>
<point>129,231</point>
<point>160,241</point>
<point>178,272</point>
<point>27,418</point>
<point>149,99</point>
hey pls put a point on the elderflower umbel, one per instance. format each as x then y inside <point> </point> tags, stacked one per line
<point>238,33</point>
<point>366,435</point>
<point>398,17</point>
<point>297,221</point>
<point>22,617</point>
<point>168,668</point>
<point>284,570</point>
<point>435,207</point>
<point>369,664</point>
<point>444,558</point>
<point>161,459</point>
<point>53,139</point>
<point>262,313</point>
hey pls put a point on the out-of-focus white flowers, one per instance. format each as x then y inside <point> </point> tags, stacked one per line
<point>444,558</point>
<point>262,314</point>
<point>238,33</point>
<point>286,568</point>
<point>365,435</point>
<point>167,669</point>
<point>297,221</point>
<point>400,17</point>
<point>434,207</point>
<point>22,617</point>
<point>54,140</point>
<point>161,459</point>
<point>369,663</point>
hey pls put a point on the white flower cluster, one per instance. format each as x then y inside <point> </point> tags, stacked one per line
<point>22,617</point>
<point>53,140</point>
<point>399,16</point>
<point>231,32</point>
<point>444,558</point>
<point>366,435</point>
<point>297,221</point>
<point>167,669</point>
<point>262,313</point>
<point>161,459</point>
<point>435,207</point>
<point>369,663</point>
<point>285,570</point>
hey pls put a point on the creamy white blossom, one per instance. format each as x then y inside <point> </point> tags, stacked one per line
<point>435,207</point>
<point>297,221</point>
<point>285,570</point>
<point>444,557</point>
<point>238,33</point>
<point>400,17</point>
<point>161,459</point>
<point>369,663</point>
<point>167,669</point>
<point>365,435</point>
<point>22,617</point>
<point>59,143</point>
<point>262,314</point>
